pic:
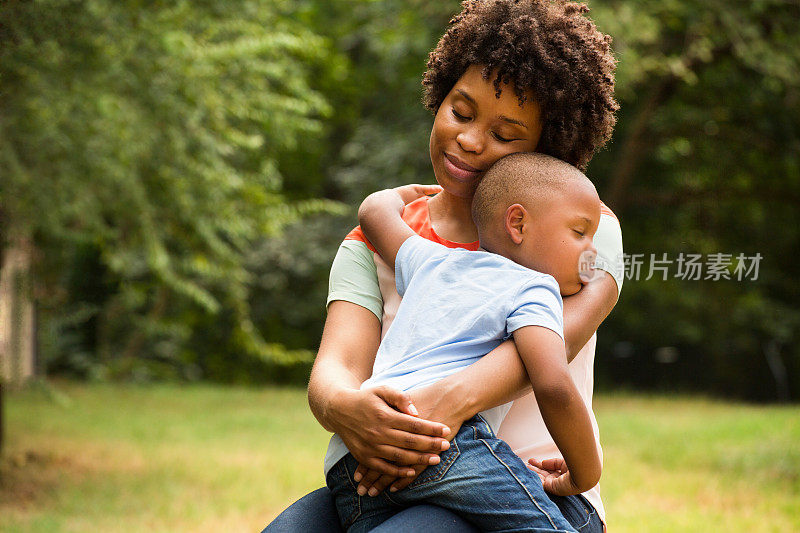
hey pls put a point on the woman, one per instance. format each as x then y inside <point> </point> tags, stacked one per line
<point>508,76</point>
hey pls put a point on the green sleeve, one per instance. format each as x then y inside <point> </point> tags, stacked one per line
<point>608,242</point>
<point>354,277</point>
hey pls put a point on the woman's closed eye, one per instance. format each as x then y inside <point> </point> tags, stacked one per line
<point>501,138</point>
<point>459,116</point>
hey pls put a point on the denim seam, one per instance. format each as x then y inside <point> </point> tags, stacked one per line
<point>586,506</point>
<point>355,514</point>
<point>386,495</point>
<point>588,519</point>
<point>521,484</point>
<point>441,469</point>
<point>485,423</point>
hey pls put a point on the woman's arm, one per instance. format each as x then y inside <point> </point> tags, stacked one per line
<point>368,421</point>
<point>469,390</point>
<point>464,394</point>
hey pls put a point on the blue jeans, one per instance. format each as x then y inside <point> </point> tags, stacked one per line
<point>478,478</point>
<point>316,513</point>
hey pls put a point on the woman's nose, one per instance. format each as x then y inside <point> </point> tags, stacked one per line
<point>470,140</point>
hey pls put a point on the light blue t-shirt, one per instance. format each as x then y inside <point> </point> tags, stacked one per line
<point>458,305</point>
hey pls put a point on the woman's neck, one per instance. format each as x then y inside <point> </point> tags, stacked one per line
<point>451,218</point>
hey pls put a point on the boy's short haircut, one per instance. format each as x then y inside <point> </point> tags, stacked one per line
<point>527,178</point>
<point>546,46</point>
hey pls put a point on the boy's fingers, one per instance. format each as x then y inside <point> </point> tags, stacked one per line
<point>553,464</point>
<point>429,189</point>
<point>409,193</point>
<point>539,471</point>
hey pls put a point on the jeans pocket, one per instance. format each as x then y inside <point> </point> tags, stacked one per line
<point>592,520</point>
<point>437,472</point>
<point>343,489</point>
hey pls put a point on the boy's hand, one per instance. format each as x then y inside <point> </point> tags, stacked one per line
<point>380,217</point>
<point>409,193</point>
<point>554,475</point>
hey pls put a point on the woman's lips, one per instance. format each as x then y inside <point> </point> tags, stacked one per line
<point>459,169</point>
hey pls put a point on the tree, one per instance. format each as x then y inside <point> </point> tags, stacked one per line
<point>706,160</point>
<point>148,139</point>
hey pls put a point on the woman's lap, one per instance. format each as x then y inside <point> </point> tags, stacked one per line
<point>316,513</point>
<point>313,513</point>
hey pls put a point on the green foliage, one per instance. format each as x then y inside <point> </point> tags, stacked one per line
<point>151,137</point>
<point>706,159</point>
<point>178,164</point>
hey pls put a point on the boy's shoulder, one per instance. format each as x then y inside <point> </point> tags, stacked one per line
<point>498,269</point>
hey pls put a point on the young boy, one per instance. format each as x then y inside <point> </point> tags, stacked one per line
<point>536,217</point>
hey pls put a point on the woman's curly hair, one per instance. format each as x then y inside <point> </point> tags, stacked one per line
<point>547,46</point>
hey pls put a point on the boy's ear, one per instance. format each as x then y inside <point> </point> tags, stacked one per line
<point>514,222</point>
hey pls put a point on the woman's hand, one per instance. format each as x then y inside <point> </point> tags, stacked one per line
<point>381,429</point>
<point>434,403</point>
<point>555,476</point>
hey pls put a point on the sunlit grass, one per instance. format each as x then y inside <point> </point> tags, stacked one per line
<point>206,458</point>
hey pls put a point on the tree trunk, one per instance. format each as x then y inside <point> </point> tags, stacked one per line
<point>17,322</point>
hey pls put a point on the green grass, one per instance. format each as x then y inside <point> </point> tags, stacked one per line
<point>206,458</point>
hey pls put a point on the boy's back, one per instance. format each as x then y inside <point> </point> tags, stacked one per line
<point>457,306</point>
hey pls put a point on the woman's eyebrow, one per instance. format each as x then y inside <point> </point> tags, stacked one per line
<point>466,96</point>
<point>513,121</point>
<point>504,118</point>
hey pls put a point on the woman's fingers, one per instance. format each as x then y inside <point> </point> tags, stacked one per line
<point>385,467</point>
<point>360,472</point>
<point>420,426</point>
<point>420,443</point>
<point>401,456</point>
<point>365,486</point>
<point>402,483</point>
<point>397,399</point>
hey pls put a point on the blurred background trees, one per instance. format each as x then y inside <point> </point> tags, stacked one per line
<point>181,174</point>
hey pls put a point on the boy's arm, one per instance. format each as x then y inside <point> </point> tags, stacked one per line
<point>563,410</point>
<point>380,216</point>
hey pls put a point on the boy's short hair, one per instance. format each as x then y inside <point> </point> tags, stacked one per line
<point>546,46</point>
<point>527,178</point>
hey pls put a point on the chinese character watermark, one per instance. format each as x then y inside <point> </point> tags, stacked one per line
<point>683,266</point>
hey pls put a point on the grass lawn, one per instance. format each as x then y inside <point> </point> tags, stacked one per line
<point>207,458</point>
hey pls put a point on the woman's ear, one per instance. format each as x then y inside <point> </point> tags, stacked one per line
<point>515,219</point>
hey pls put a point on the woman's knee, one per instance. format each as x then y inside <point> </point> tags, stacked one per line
<point>427,519</point>
<point>313,513</point>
